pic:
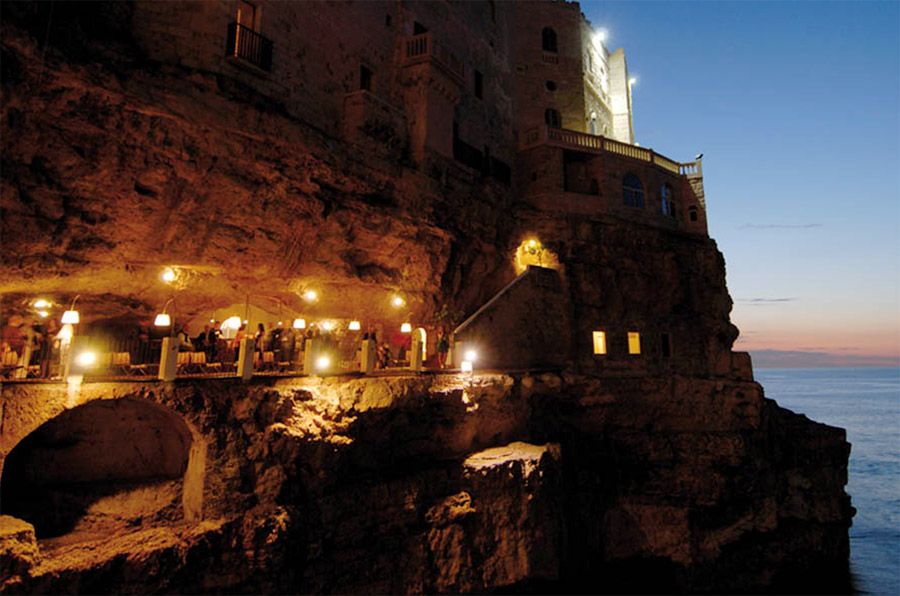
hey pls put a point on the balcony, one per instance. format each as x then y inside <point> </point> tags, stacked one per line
<point>249,47</point>
<point>424,48</point>
<point>580,141</point>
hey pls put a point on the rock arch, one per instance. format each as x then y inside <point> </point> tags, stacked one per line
<point>105,464</point>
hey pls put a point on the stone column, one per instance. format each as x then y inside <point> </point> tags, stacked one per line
<point>367,356</point>
<point>168,359</point>
<point>245,359</point>
<point>415,355</point>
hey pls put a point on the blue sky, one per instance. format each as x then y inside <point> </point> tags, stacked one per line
<point>796,108</point>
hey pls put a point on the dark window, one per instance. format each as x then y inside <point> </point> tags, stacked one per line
<point>387,20</point>
<point>548,39</point>
<point>665,345</point>
<point>551,117</point>
<point>550,85</point>
<point>246,15</point>
<point>419,28</point>
<point>632,191</point>
<point>365,78</point>
<point>479,85</point>
<point>692,213</point>
<point>493,11</point>
<point>668,200</point>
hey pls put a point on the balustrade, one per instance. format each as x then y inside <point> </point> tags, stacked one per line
<point>424,47</point>
<point>250,46</point>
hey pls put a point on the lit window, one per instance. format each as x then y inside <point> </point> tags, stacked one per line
<point>632,191</point>
<point>548,39</point>
<point>599,342</point>
<point>634,342</point>
<point>551,117</point>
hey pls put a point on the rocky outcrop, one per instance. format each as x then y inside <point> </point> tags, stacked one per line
<point>465,484</point>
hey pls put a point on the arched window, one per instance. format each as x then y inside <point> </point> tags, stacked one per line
<point>548,39</point>
<point>551,117</point>
<point>632,191</point>
<point>668,200</point>
<point>692,213</point>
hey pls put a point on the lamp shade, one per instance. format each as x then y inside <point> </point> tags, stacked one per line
<point>466,366</point>
<point>354,326</point>
<point>406,328</point>
<point>162,320</point>
<point>299,323</point>
<point>70,317</point>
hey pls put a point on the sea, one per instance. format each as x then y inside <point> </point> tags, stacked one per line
<point>865,402</point>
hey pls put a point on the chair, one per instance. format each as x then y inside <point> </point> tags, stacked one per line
<point>182,362</point>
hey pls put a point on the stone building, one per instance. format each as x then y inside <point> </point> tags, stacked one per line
<point>386,162</point>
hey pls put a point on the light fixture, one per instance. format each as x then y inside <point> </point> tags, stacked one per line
<point>327,325</point>
<point>322,362</point>
<point>232,322</point>
<point>466,366</point>
<point>163,319</point>
<point>42,314</point>
<point>398,301</point>
<point>310,295</point>
<point>70,317</point>
<point>279,323</point>
<point>41,303</point>
<point>406,328</point>
<point>532,243</point>
<point>168,275</point>
<point>354,326</point>
<point>212,320</point>
<point>471,355</point>
<point>87,358</point>
<point>299,323</point>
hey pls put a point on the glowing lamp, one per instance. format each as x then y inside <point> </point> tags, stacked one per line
<point>322,362</point>
<point>299,323</point>
<point>168,275</point>
<point>354,326</point>
<point>41,303</point>
<point>471,355</point>
<point>245,321</point>
<point>87,358</point>
<point>162,320</point>
<point>327,325</point>
<point>70,317</point>
<point>406,328</point>
<point>43,314</point>
<point>279,323</point>
<point>231,323</point>
<point>212,320</point>
<point>398,301</point>
<point>532,243</point>
<point>466,366</point>
<point>310,295</point>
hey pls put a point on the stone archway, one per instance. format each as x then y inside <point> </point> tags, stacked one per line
<point>422,336</point>
<point>103,466</point>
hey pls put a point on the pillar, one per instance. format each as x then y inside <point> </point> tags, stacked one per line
<point>168,359</point>
<point>245,358</point>
<point>415,355</point>
<point>368,356</point>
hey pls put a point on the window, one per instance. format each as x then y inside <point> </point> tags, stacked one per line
<point>479,85</point>
<point>593,123</point>
<point>634,342</point>
<point>589,65</point>
<point>692,213</point>
<point>668,200</point>
<point>419,28</point>
<point>665,345</point>
<point>599,342</point>
<point>550,85</point>
<point>387,20</point>
<point>246,15</point>
<point>548,39</point>
<point>632,191</point>
<point>365,78</point>
<point>551,117</point>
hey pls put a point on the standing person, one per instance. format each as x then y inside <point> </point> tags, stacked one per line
<point>443,346</point>
<point>260,338</point>
<point>212,346</point>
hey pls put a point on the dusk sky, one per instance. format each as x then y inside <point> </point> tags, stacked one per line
<point>796,108</point>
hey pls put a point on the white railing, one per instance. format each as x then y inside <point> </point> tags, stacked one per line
<point>550,57</point>
<point>561,137</point>
<point>419,48</point>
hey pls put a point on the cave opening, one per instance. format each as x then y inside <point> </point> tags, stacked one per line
<point>102,467</point>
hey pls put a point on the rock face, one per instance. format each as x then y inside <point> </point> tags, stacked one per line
<point>124,152</point>
<point>449,484</point>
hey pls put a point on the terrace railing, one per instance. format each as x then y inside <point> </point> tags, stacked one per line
<point>572,139</point>
<point>248,45</point>
<point>423,47</point>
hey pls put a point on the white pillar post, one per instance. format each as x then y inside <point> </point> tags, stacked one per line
<point>415,355</point>
<point>168,359</point>
<point>367,356</point>
<point>245,359</point>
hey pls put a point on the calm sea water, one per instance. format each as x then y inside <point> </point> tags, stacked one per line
<point>866,402</point>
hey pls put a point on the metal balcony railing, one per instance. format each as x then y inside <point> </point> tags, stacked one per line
<point>249,46</point>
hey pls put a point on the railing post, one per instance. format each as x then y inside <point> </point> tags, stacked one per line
<point>245,358</point>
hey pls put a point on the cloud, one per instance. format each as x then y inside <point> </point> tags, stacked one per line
<point>765,301</point>
<point>813,359</point>
<point>779,226</point>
